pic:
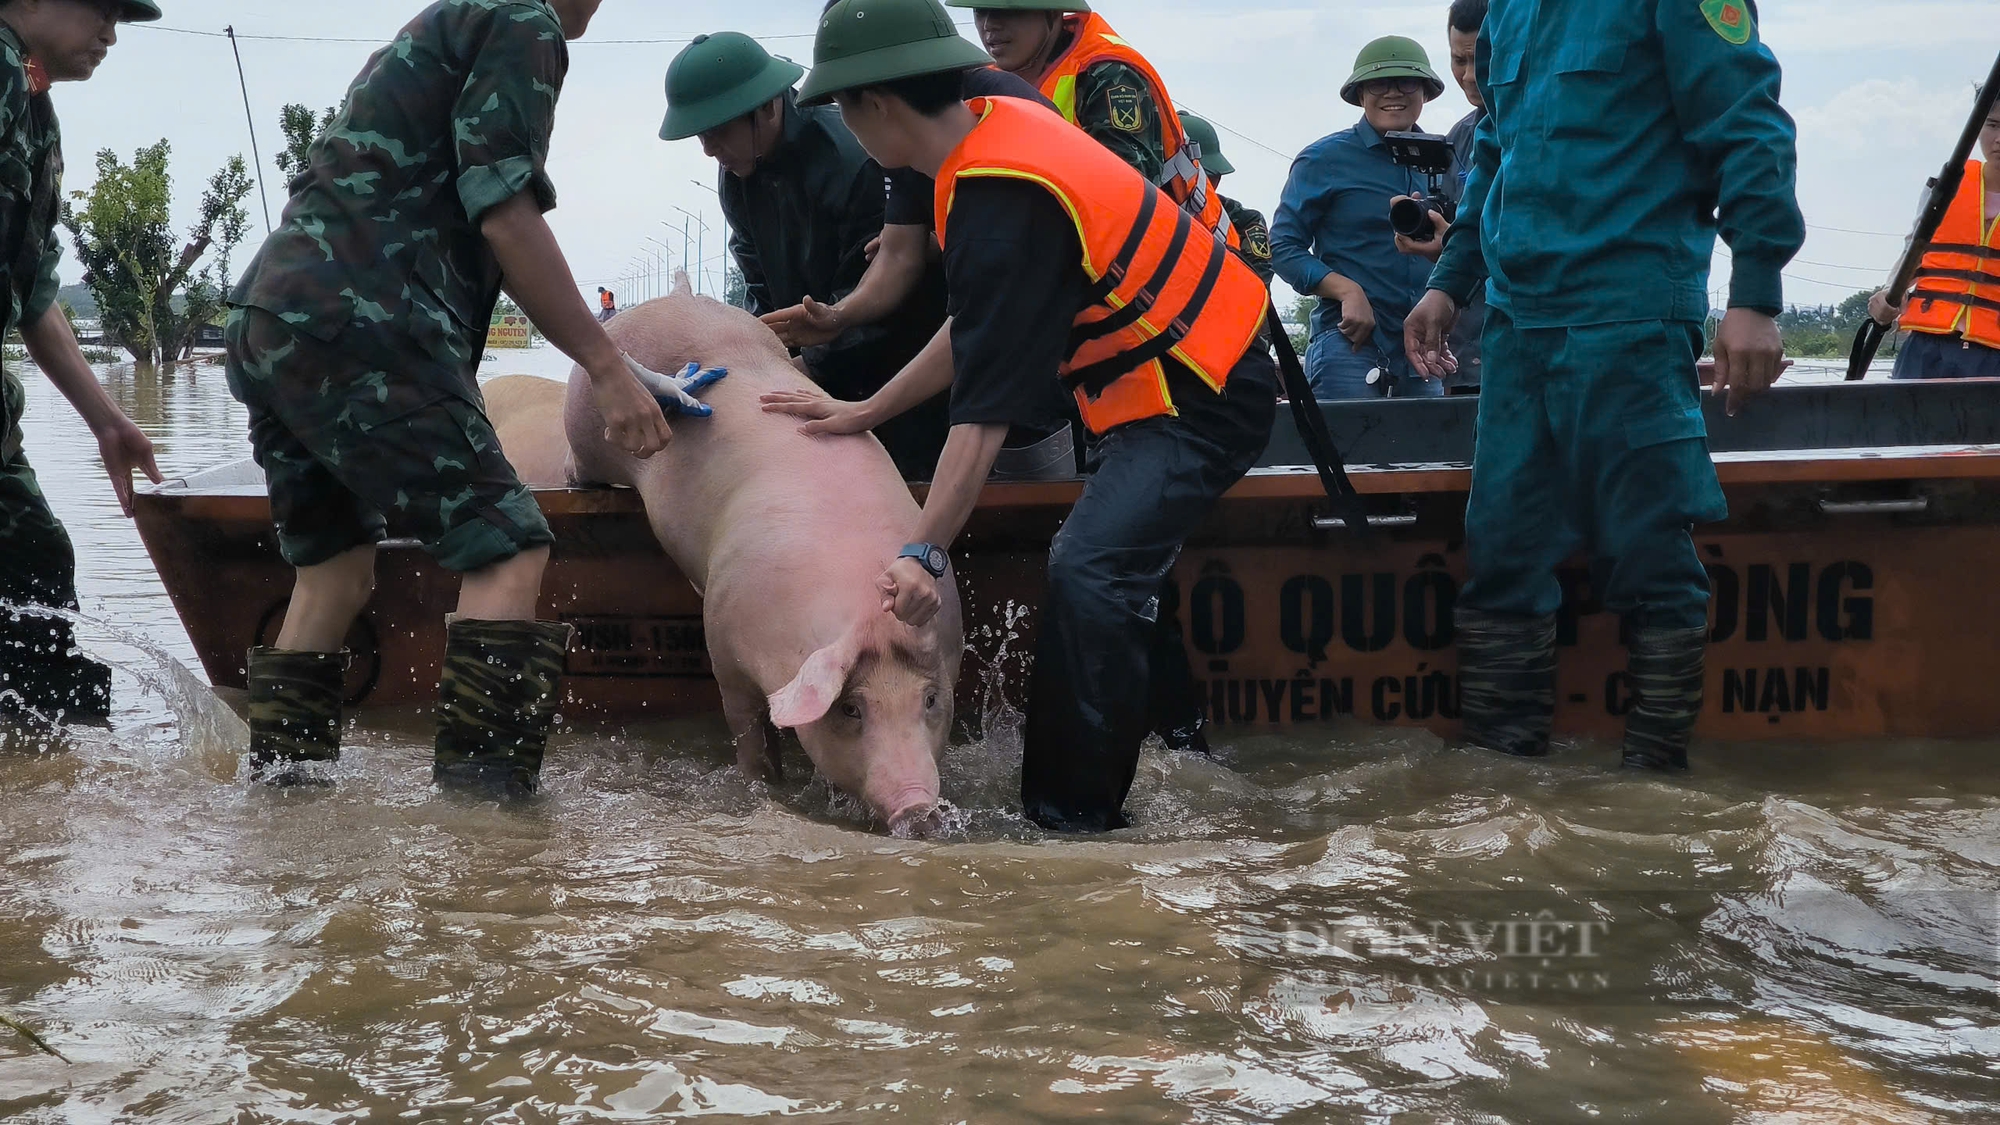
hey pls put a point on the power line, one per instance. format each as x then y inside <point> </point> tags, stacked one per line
<point>383,42</point>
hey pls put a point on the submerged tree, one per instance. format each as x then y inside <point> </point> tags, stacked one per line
<point>155,291</point>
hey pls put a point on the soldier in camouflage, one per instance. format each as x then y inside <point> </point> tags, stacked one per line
<point>1249,224</point>
<point>44,42</point>
<point>355,340</point>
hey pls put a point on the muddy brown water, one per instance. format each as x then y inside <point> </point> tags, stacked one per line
<point>1357,926</point>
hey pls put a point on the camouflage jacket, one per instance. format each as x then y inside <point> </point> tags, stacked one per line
<point>31,169</point>
<point>1117,107</point>
<point>444,124</point>
<point>1256,235</point>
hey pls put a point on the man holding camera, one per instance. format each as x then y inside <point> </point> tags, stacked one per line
<point>1332,237</point>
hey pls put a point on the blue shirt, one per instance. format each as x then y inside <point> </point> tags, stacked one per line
<point>1334,218</point>
<point>1624,134</point>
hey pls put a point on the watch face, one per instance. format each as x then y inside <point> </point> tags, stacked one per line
<point>937,561</point>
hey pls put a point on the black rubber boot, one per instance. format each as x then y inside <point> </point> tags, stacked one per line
<point>42,672</point>
<point>294,713</point>
<point>1666,668</point>
<point>496,701</point>
<point>1507,681</point>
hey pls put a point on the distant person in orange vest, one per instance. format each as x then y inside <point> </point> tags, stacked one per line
<point>1102,85</point>
<point>1953,311</point>
<point>1063,263</point>
<point>607,304</point>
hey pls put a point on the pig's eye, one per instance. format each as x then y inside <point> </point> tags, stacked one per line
<point>850,708</point>
<point>931,701</point>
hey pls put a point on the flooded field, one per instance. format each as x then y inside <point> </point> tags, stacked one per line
<point>1362,926</point>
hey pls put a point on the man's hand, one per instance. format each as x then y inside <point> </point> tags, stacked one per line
<point>675,393</point>
<point>633,420</point>
<point>873,248</point>
<point>823,415</point>
<point>1749,355</point>
<point>805,325</point>
<point>125,449</point>
<point>1426,335</point>
<point>1881,310</point>
<point>909,592</point>
<point>1432,250</point>
<point>1357,319</point>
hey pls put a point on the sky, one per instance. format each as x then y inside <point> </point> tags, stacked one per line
<point>1880,89</point>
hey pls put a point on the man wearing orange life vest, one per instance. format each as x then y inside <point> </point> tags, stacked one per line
<point>1062,262</point>
<point>1104,87</point>
<point>1953,311</point>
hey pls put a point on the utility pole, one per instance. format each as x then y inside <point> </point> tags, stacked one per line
<point>250,119</point>
<point>726,254</point>
<point>700,246</point>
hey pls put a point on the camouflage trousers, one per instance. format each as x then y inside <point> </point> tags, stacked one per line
<point>38,658</point>
<point>352,440</point>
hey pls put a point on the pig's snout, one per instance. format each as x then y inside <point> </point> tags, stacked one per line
<point>914,812</point>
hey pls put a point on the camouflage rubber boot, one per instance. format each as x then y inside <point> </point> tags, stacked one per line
<point>496,701</point>
<point>294,715</point>
<point>1507,681</point>
<point>1666,669</point>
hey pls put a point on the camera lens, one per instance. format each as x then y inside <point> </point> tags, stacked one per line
<point>1412,219</point>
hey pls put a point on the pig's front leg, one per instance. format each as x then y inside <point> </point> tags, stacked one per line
<point>743,708</point>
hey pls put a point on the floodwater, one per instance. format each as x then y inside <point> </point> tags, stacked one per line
<point>1362,926</point>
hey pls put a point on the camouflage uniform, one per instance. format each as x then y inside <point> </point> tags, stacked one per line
<point>358,330</point>
<point>1256,236</point>
<point>38,565</point>
<point>1116,106</point>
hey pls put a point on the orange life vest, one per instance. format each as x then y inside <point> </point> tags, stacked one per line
<point>1958,285</point>
<point>1161,285</point>
<point>608,301</point>
<point>1092,41</point>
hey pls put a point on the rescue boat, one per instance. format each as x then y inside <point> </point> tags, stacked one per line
<point>1856,582</point>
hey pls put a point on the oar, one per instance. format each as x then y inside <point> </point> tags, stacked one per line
<point>1941,190</point>
<point>1312,429</point>
<point>30,1035</point>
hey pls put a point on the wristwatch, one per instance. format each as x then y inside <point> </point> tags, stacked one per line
<point>930,556</point>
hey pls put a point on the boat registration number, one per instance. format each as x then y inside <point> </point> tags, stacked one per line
<point>639,646</point>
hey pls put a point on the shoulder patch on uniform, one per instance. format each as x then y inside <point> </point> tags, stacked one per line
<point>1128,108</point>
<point>1730,18</point>
<point>1257,241</point>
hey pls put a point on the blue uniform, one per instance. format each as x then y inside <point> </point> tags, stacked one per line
<point>1624,135</point>
<point>1334,218</point>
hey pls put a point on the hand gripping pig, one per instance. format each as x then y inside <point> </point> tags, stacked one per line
<point>784,536</point>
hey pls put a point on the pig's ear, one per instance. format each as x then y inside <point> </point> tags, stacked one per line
<point>813,691</point>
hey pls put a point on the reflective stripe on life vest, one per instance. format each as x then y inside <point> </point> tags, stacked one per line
<point>1162,286</point>
<point>1091,42</point>
<point>1957,290</point>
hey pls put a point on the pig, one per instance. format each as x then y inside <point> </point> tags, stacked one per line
<point>784,536</point>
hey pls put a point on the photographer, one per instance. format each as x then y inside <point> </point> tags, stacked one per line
<point>1332,238</point>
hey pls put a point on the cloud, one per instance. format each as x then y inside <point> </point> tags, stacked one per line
<point>1812,26</point>
<point>1883,114</point>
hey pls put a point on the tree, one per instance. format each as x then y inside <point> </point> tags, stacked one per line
<point>302,130</point>
<point>153,299</point>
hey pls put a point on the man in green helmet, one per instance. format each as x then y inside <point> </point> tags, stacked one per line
<point>355,342</point>
<point>44,42</point>
<point>1250,226</point>
<point>803,203</point>
<point>1060,258</point>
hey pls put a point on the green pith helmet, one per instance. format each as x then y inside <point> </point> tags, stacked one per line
<point>718,79</point>
<point>866,42</point>
<point>1392,56</point>
<point>138,11</point>
<point>1204,137</point>
<point>1021,5</point>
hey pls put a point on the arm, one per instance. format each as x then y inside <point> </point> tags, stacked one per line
<point>52,346</point>
<point>1725,95</point>
<point>908,590</point>
<point>1300,209</point>
<point>1118,108</point>
<point>891,277</point>
<point>1462,267</point>
<point>922,379</point>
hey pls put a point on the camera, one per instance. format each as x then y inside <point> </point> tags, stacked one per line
<point>1431,156</point>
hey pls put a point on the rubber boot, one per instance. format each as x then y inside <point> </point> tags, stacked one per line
<point>42,671</point>
<point>1666,667</point>
<point>496,701</point>
<point>294,715</point>
<point>1507,681</point>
